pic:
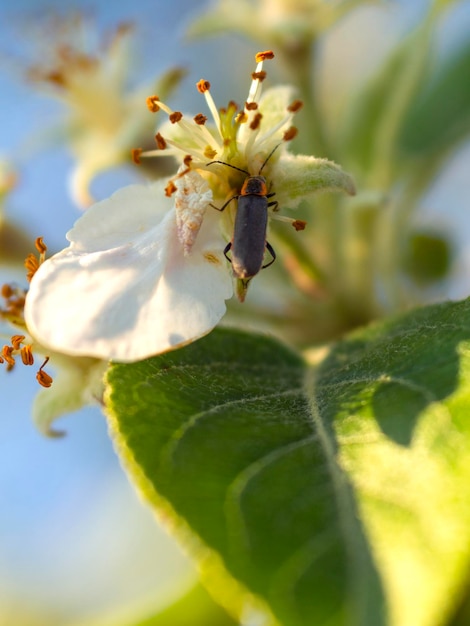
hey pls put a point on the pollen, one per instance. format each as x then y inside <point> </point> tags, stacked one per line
<point>175,117</point>
<point>152,103</point>
<point>263,56</point>
<point>203,86</point>
<point>135,154</point>
<point>200,119</point>
<point>160,141</point>
<point>43,378</point>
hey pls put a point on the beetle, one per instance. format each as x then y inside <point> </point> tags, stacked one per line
<point>249,243</point>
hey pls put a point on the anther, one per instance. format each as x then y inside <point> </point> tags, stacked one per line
<point>135,154</point>
<point>203,85</point>
<point>7,355</point>
<point>152,103</point>
<point>290,133</point>
<point>27,355</point>
<point>259,76</point>
<point>43,377</point>
<point>200,119</point>
<point>175,117</point>
<point>161,143</point>
<point>295,106</point>
<point>170,189</point>
<point>40,245</point>
<point>210,153</point>
<point>256,121</point>
<point>31,265</point>
<point>263,56</point>
<point>251,106</point>
<point>187,160</point>
<point>16,341</point>
<point>7,291</point>
<point>299,224</point>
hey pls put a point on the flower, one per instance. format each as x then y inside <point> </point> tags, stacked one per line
<point>287,23</point>
<point>145,270</point>
<point>105,116</point>
<point>78,381</point>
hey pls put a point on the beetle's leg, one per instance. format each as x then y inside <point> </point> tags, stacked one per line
<point>274,204</point>
<point>226,250</point>
<point>225,205</point>
<point>270,249</point>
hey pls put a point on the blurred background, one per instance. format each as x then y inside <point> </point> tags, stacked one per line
<point>76,544</point>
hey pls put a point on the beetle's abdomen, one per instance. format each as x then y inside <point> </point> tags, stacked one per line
<point>249,235</point>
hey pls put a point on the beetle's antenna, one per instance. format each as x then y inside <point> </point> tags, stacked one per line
<point>232,166</point>
<point>269,156</point>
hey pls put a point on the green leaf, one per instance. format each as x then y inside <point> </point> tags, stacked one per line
<point>337,493</point>
<point>196,608</point>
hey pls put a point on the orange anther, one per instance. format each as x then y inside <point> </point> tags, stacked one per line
<point>251,106</point>
<point>152,103</point>
<point>264,56</point>
<point>27,355</point>
<point>299,224</point>
<point>203,85</point>
<point>290,133</point>
<point>43,377</point>
<point>295,106</point>
<point>161,143</point>
<point>40,245</point>
<point>200,119</point>
<point>16,341</point>
<point>175,117</point>
<point>170,189</point>
<point>135,155</point>
<point>256,121</point>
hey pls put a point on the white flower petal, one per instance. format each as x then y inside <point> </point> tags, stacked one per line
<point>124,290</point>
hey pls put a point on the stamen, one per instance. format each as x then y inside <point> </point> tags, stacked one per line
<point>290,133</point>
<point>295,106</point>
<point>210,153</point>
<point>200,119</point>
<point>203,86</point>
<point>187,161</point>
<point>170,189</point>
<point>27,355</point>
<point>16,341</point>
<point>255,123</point>
<point>264,56</point>
<point>135,155</point>
<point>31,263</point>
<point>251,106</point>
<point>152,105</point>
<point>43,377</point>
<point>7,355</point>
<point>297,224</point>
<point>176,117</point>
<point>40,245</point>
<point>161,143</point>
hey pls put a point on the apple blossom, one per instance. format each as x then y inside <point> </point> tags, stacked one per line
<point>145,270</point>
